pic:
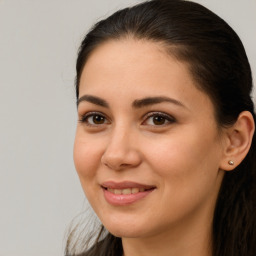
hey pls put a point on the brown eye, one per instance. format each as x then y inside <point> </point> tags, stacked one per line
<point>159,120</point>
<point>94,119</point>
<point>97,119</point>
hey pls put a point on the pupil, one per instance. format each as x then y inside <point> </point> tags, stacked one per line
<point>98,119</point>
<point>158,120</point>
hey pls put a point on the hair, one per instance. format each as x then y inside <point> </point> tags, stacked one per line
<point>218,63</point>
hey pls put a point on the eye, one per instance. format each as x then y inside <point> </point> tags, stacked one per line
<point>94,119</point>
<point>158,119</point>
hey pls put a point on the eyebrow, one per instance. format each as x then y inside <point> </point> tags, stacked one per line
<point>155,100</point>
<point>140,103</point>
<point>94,100</point>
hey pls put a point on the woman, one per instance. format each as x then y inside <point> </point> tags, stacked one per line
<point>165,144</point>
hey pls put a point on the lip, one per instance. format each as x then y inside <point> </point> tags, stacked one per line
<point>125,184</point>
<point>121,199</point>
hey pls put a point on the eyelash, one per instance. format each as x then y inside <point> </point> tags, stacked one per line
<point>84,118</point>
<point>165,117</point>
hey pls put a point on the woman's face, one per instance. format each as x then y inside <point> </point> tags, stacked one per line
<point>147,147</point>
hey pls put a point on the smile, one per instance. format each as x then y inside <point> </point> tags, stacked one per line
<point>125,193</point>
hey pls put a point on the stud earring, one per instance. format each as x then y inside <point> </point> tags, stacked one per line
<point>230,162</point>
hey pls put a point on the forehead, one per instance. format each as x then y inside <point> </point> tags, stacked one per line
<point>138,68</point>
<point>127,54</point>
<point>129,59</point>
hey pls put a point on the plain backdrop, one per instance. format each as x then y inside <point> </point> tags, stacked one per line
<point>39,191</point>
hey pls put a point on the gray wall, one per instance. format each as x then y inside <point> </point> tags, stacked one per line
<point>39,190</point>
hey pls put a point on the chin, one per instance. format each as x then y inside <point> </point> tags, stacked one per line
<point>127,233</point>
<point>125,229</point>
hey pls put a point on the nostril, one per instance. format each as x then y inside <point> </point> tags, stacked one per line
<point>122,157</point>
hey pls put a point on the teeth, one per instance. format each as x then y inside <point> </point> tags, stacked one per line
<point>117,191</point>
<point>111,190</point>
<point>126,191</point>
<point>135,190</point>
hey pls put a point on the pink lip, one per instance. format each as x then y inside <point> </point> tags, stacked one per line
<point>125,184</point>
<point>121,200</point>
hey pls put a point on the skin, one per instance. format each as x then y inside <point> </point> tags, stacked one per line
<point>181,157</point>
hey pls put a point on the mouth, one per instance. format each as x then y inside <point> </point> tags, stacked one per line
<point>126,191</point>
<point>123,193</point>
<point>126,187</point>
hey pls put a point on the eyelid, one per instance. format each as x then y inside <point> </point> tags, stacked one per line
<point>85,116</point>
<point>168,117</point>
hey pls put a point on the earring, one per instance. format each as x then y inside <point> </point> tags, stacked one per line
<point>230,162</point>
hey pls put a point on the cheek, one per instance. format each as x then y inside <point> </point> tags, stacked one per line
<point>188,173</point>
<point>188,145</point>
<point>86,157</point>
<point>186,162</point>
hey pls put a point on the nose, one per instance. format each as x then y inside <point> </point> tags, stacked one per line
<point>122,151</point>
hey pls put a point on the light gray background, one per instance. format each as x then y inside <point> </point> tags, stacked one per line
<point>39,190</point>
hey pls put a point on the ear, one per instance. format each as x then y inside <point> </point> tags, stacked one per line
<point>238,139</point>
